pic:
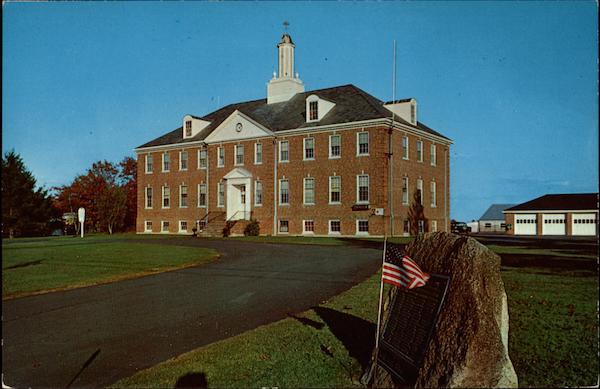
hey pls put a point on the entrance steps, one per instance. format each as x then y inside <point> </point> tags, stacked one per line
<point>216,223</point>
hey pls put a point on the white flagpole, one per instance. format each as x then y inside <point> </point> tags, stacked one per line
<point>380,296</point>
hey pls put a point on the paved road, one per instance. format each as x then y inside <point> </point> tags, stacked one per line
<point>107,332</point>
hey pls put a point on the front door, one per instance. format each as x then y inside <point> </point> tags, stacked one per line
<point>238,187</point>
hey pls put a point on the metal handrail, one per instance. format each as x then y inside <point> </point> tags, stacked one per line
<point>244,212</point>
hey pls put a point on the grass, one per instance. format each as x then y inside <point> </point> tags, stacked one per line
<point>36,265</point>
<point>546,252</point>
<point>553,339</point>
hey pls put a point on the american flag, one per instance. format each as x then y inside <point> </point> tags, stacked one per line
<point>400,270</point>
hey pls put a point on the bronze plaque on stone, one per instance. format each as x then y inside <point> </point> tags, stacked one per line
<point>411,320</point>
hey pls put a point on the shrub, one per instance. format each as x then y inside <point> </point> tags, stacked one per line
<point>253,228</point>
<point>227,228</point>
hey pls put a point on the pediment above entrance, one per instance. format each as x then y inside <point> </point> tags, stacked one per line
<point>238,172</point>
<point>237,127</point>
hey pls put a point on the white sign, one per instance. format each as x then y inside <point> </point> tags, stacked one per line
<point>81,214</point>
<point>379,211</point>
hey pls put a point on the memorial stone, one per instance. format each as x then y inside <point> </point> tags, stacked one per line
<point>469,344</point>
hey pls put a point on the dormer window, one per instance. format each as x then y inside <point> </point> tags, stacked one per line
<point>317,108</point>
<point>313,113</point>
<point>192,126</point>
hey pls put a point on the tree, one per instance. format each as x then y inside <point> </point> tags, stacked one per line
<point>112,208</point>
<point>108,192</point>
<point>416,215</point>
<point>128,181</point>
<point>26,210</point>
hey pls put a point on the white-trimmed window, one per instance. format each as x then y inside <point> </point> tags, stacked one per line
<point>202,158</point>
<point>362,227</point>
<point>148,226</point>
<point>313,110</point>
<point>258,193</point>
<point>220,194</point>
<point>148,193</point>
<point>432,187</point>
<point>284,192</point>
<point>406,226</point>
<point>335,189</point>
<point>166,197</point>
<point>183,160</point>
<point>420,151</point>
<point>220,156</point>
<point>284,151</point>
<point>434,226</point>
<point>335,226</point>
<point>362,189</point>
<point>258,153</point>
<point>202,190</point>
<point>188,128</point>
<point>166,162</point>
<point>284,226</point>
<point>164,226</point>
<point>362,143</point>
<point>421,226</point>
<point>433,154</point>
<point>308,227</point>
<point>183,226</point>
<point>183,196</point>
<point>149,164</point>
<point>335,146</point>
<point>405,196</point>
<point>309,191</point>
<point>420,190</point>
<point>405,147</point>
<point>239,155</point>
<point>309,149</point>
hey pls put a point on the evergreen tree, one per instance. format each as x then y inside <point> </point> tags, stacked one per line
<point>26,211</point>
<point>416,214</point>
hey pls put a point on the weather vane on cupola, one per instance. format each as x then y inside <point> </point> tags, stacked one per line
<point>286,24</point>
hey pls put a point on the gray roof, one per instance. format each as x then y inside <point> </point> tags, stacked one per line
<point>494,212</point>
<point>352,104</point>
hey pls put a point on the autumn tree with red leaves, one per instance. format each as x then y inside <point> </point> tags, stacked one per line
<point>105,193</point>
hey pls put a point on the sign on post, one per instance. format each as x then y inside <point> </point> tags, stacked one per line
<point>81,215</point>
<point>412,318</point>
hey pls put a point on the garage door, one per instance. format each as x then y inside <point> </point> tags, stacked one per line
<point>526,224</point>
<point>554,224</point>
<point>584,223</point>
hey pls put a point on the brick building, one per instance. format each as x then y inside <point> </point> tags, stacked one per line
<point>333,161</point>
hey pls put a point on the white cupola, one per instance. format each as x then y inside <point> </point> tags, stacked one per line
<point>285,84</point>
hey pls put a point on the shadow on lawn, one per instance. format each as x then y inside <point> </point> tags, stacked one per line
<point>192,380</point>
<point>357,335</point>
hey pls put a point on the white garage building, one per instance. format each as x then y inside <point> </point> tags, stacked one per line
<point>555,215</point>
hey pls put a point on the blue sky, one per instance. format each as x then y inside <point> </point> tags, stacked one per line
<point>514,84</point>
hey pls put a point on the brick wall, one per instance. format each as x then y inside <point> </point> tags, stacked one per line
<point>348,166</point>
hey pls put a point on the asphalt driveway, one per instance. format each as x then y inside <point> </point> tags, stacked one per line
<point>93,336</point>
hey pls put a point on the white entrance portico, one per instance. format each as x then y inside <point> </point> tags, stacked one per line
<point>238,194</point>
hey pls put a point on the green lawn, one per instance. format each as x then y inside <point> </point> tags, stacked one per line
<point>545,252</point>
<point>41,264</point>
<point>553,339</point>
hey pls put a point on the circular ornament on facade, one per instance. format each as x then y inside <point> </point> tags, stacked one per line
<point>238,127</point>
